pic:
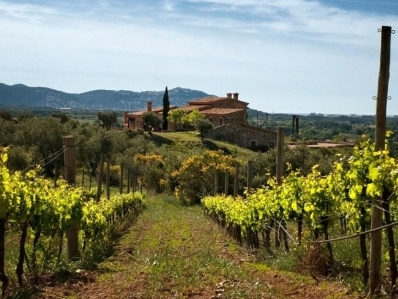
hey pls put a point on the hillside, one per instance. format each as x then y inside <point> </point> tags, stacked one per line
<point>22,95</point>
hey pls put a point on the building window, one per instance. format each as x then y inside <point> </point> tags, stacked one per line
<point>271,144</point>
<point>253,144</point>
<point>220,121</point>
<point>211,120</point>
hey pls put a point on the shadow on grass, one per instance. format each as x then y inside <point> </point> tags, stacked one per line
<point>103,250</point>
<point>210,145</point>
<point>160,140</point>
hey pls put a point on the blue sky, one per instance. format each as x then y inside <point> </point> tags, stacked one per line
<point>282,56</point>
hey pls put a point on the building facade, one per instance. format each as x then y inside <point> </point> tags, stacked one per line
<point>218,110</point>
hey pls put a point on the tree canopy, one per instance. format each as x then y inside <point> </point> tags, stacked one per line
<point>176,117</point>
<point>108,119</point>
<point>204,126</point>
<point>151,120</point>
<point>166,108</point>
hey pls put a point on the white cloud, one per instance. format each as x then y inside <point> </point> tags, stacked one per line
<point>285,56</point>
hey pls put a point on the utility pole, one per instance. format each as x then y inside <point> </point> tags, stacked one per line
<point>279,174</point>
<point>381,112</point>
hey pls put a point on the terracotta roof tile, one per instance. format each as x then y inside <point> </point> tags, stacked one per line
<point>221,111</point>
<point>210,100</point>
<point>189,108</point>
<point>206,100</point>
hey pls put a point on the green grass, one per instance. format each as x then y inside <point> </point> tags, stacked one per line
<point>180,253</point>
<point>182,141</point>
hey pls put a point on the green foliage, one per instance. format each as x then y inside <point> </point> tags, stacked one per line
<point>176,116</point>
<point>346,191</point>
<point>204,126</point>
<point>43,135</point>
<point>63,117</point>
<point>196,174</point>
<point>24,115</point>
<point>32,201</point>
<point>5,114</point>
<point>151,120</point>
<point>108,119</point>
<point>166,108</point>
<point>18,159</point>
<point>7,132</point>
<point>192,117</point>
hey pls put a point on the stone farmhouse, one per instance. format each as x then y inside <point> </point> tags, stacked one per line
<point>227,114</point>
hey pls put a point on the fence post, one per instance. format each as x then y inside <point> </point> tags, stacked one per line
<point>101,173</point>
<point>381,112</point>
<point>236,182</point>
<point>226,183</point>
<point>216,183</point>
<point>121,178</point>
<point>279,173</point>
<point>128,179</point>
<point>70,177</point>
<point>249,175</point>
<point>108,181</point>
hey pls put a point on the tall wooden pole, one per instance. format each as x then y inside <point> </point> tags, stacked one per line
<point>216,183</point>
<point>101,173</point>
<point>381,112</point>
<point>226,181</point>
<point>279,174</point>
<point>121,178</point>
<point>279,155</point>
<point>249,175</point>
<point>70,177</point>
<point>108,181</point>
<point>128,180</point>
<point>236,182</point>
<point>69,159</point>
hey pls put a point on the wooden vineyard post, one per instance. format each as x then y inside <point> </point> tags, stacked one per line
<point>121,178</point>
<point>279,173</point>
<point>70,177</point>
<point>108,182</point>
<point>236,182</point>
<point>128,179</point>
<point>226,183</point>
<point>216,183</point>
<point>249,175</point>
<point>381,112</point>
<point>101,173</point>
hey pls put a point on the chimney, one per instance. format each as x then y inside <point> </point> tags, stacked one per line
<point>229,95</point>
<point>236,96</point>
<point>149,106</point>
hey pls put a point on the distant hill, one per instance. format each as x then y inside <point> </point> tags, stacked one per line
<point>22,95</point>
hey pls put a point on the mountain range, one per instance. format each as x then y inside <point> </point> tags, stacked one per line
<point>25,96</point>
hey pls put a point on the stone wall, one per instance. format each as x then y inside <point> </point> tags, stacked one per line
<point>229,103</point>
<point>245,136</point>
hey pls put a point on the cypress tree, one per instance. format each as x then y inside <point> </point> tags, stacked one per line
<point>166,108</point>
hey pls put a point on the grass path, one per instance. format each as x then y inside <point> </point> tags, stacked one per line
<point>176,252</point>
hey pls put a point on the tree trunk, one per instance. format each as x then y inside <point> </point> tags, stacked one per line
<point>3,277</point>
<point>391,242</point>
<point>300,228</point>
<point>325,224</point>
<point>35,242</point>
<point>61,243</point>
<point>19,271</point>
<point>284,233</point>
<point>364,252</point>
